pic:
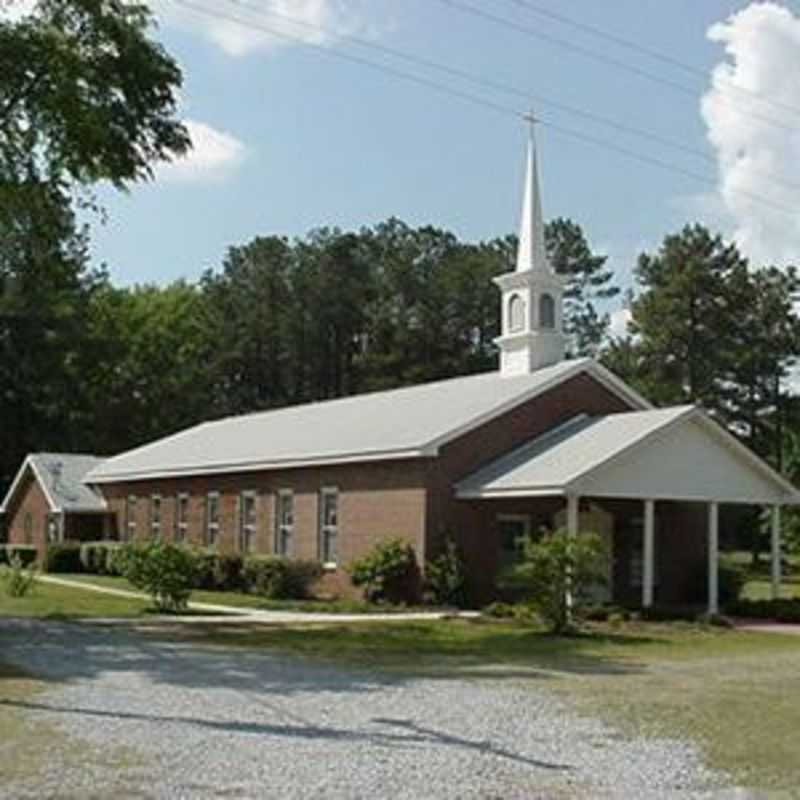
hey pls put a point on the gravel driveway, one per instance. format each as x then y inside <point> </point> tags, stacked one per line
<point>178,720</point>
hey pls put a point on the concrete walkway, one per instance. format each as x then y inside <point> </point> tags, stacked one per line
<point>237,614</point>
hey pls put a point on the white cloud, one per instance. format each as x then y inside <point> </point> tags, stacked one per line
<point>618,328</point>
<point>14,10</point>
<point>214,155</point>
<point>755,157</point>
<point>336,17</point>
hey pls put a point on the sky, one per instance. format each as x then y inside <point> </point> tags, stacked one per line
<point>289,137</point>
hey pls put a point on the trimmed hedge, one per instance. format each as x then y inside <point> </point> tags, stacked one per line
<point>63,557</point>
<point>27,553</point>
<point>101,558</point>
<point>279,578</point>
<point>783,610</point>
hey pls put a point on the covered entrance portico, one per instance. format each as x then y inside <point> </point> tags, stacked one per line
<point>662,475</point>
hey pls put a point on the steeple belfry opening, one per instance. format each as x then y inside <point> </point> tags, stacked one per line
<point>532,296</point>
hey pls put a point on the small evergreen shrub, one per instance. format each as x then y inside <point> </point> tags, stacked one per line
<point>446,577</point>
<point>63,557</point>
<point>26,553</point>
<point>205,569</point>
<point>279,578</point>
<point>17,580</point>
<point>387,573</point>
<point>499,610</point>
<point>782,610</point>
<point>163,570</point>
<point>101,558</point>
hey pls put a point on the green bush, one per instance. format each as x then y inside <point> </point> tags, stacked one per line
<point>165,571</point>
<point>782,610</point>
<point>445,577</point>
<point>554,567</point>
<point>669,613</point>
<point>731,581</point>
<point>387,573</point>
<point>26,553</point>
<point>279,578</point>
<point>63,557</point>
<point>17,580</point>
<point>101,558</point>
<point>227,572</point>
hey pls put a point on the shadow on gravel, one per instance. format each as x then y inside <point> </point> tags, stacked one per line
<point>411,735</point>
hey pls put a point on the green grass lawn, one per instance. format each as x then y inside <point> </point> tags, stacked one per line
<point>49,601</point>
<point>242,600</point>
<point>759,583</point>
<point>733,692</point>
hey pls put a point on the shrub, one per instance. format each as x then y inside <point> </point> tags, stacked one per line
<point>166,572</point>
<point>556,566</point>
<point>669,613</point>
<point>279,578</point>
<point>387,572</point>
<point>101,558</point>
<point>446,577</point>
<point>17,580</point>
<point>782,610</point>
<point>64,557</point>
<point>227,572</point>
<point>26,553</point>
<point>731,581</point>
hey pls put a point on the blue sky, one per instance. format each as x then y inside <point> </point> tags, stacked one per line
<point>296,139</point>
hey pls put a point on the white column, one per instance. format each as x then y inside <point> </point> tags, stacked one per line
<point>648,553</point>
<point>776,552</point>
<point>573,511</point>
<point>713,558</point>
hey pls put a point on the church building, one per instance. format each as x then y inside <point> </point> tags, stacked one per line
<point>542,442</point>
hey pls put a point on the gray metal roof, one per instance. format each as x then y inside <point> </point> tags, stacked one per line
<point>672,453</point>
<point>401,423</point>
<point>556,459</point>
<point>61,477</point>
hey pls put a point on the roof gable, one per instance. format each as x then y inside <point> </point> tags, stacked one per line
<point>411,422</point>
<point>674,453</point>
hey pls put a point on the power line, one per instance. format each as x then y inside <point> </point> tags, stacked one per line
<point>556,41</point>
<point>480,80</point>
<point>635,47</point>
<point>474,99</point>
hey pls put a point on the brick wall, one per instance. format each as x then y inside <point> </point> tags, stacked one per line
<point>377,500</point>
<point>29,503</point>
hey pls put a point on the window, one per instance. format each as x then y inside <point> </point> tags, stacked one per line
<point>130,518</point>
<point>329,526</point>
<point>547,311</point>
<point>516,314</point>
<point>247,532</point>
<point>27,525</point>
<point>155,516</point>
<point>52,529</point>
<point>212,519</point>
<point>181,517</point>
<point>284,522</point>
<point>513,529</point>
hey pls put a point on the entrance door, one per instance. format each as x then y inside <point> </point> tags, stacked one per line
<point>596,520</point>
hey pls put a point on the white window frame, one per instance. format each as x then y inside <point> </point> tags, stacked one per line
<point>131,502</point>
<point>182,523</point>
<point>248,531</point>
<point>284,531</point>
<point>213,527</point>
<point>155,522</point>
<point>326,529</point>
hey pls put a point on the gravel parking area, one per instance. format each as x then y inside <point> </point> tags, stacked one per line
<point>177,720</point>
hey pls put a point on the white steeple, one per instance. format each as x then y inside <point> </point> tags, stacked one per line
<point>532,296</point>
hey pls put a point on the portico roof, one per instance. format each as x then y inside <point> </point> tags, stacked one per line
<point>677,453</point>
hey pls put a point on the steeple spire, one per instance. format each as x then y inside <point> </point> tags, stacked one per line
<point>532,334</point>
<point>532,254</point>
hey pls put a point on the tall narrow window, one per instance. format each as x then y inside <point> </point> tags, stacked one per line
<point>247,531</point>
<point>284,527</point>
<point>547,311</point>
<point>212,519</point>
<point>516,314</point>
<point>329,526</point>
<point>28,527</point>
<point>155,516</point>
<point>130,518</point>
<point>181,517</point>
